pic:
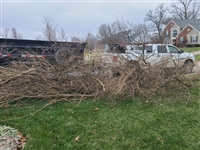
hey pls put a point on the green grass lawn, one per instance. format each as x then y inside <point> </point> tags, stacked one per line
<point>190,49</point>
<point>121,125</point>
<point>197,57</point>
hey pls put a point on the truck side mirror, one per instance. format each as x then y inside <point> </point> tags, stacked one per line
<point>181,51</point>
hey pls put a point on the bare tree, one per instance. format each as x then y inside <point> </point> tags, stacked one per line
<point>39,37</point>
<point>108,33</point>
<point>156,18</point>
<point>75,39</point>
<point>142,33</point>
<point>154,38</point>
<point>15,34</point>
<point>167,19</point>
<point>91,40</point>
<point>5,33</point>
<point>49,30</point>
<point>185,9</point>
<point>103,34</point>
<point>62,35</point>
<point>11,33</point>
<point>132,33</point>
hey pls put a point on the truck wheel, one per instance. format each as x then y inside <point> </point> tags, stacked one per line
<point>188,66</point>
<point>63,56</point>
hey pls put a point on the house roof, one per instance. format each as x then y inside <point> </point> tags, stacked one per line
<point>193,22</point>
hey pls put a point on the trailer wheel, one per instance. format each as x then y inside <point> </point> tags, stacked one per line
<point>63,56</point>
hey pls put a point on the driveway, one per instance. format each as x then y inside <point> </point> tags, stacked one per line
<point>196,53</point>
<point>196,68</point>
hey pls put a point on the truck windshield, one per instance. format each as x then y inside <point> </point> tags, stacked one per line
<point>173,49</point>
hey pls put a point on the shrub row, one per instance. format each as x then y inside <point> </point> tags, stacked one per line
<point>193,45</point>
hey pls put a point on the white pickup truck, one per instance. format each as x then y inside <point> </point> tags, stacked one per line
<point>151,54</point>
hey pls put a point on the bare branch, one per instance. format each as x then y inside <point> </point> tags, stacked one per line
<point>15,34</point>
<point>156,18</point>
<point>185,9</point>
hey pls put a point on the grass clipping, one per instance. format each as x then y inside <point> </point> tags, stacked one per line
<point>78,81</point>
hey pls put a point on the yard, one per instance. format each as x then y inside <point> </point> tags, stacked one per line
<point>143,109</point>
<point>190,49</point>
<point>197,57</point>
<point>108,124</point>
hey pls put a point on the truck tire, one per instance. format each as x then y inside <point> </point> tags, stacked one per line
<point>188,66</point>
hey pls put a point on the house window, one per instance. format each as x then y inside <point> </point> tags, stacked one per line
<point>167,33</point>
<point>175,32</point>
<point>181,40</point>
<point>166,40</point>
<point>193,39</point>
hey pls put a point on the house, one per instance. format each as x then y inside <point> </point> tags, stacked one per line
<point>182,32</point>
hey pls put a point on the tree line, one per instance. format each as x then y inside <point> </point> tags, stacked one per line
<point>154,21</point>
<point>121,31</point>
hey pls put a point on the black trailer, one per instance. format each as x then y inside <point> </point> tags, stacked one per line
<point>25,50</point>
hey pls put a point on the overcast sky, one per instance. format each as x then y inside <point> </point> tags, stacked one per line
<point>75,17</point>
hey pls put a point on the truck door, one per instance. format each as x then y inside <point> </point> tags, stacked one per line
<point>149,56</point>
<point>161,55</point>
<point>174,55</point>
<point>155,54</point>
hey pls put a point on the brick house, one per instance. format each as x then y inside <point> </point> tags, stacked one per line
<point>182,32</point>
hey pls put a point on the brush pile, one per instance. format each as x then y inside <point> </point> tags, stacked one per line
<point>78,81</point>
